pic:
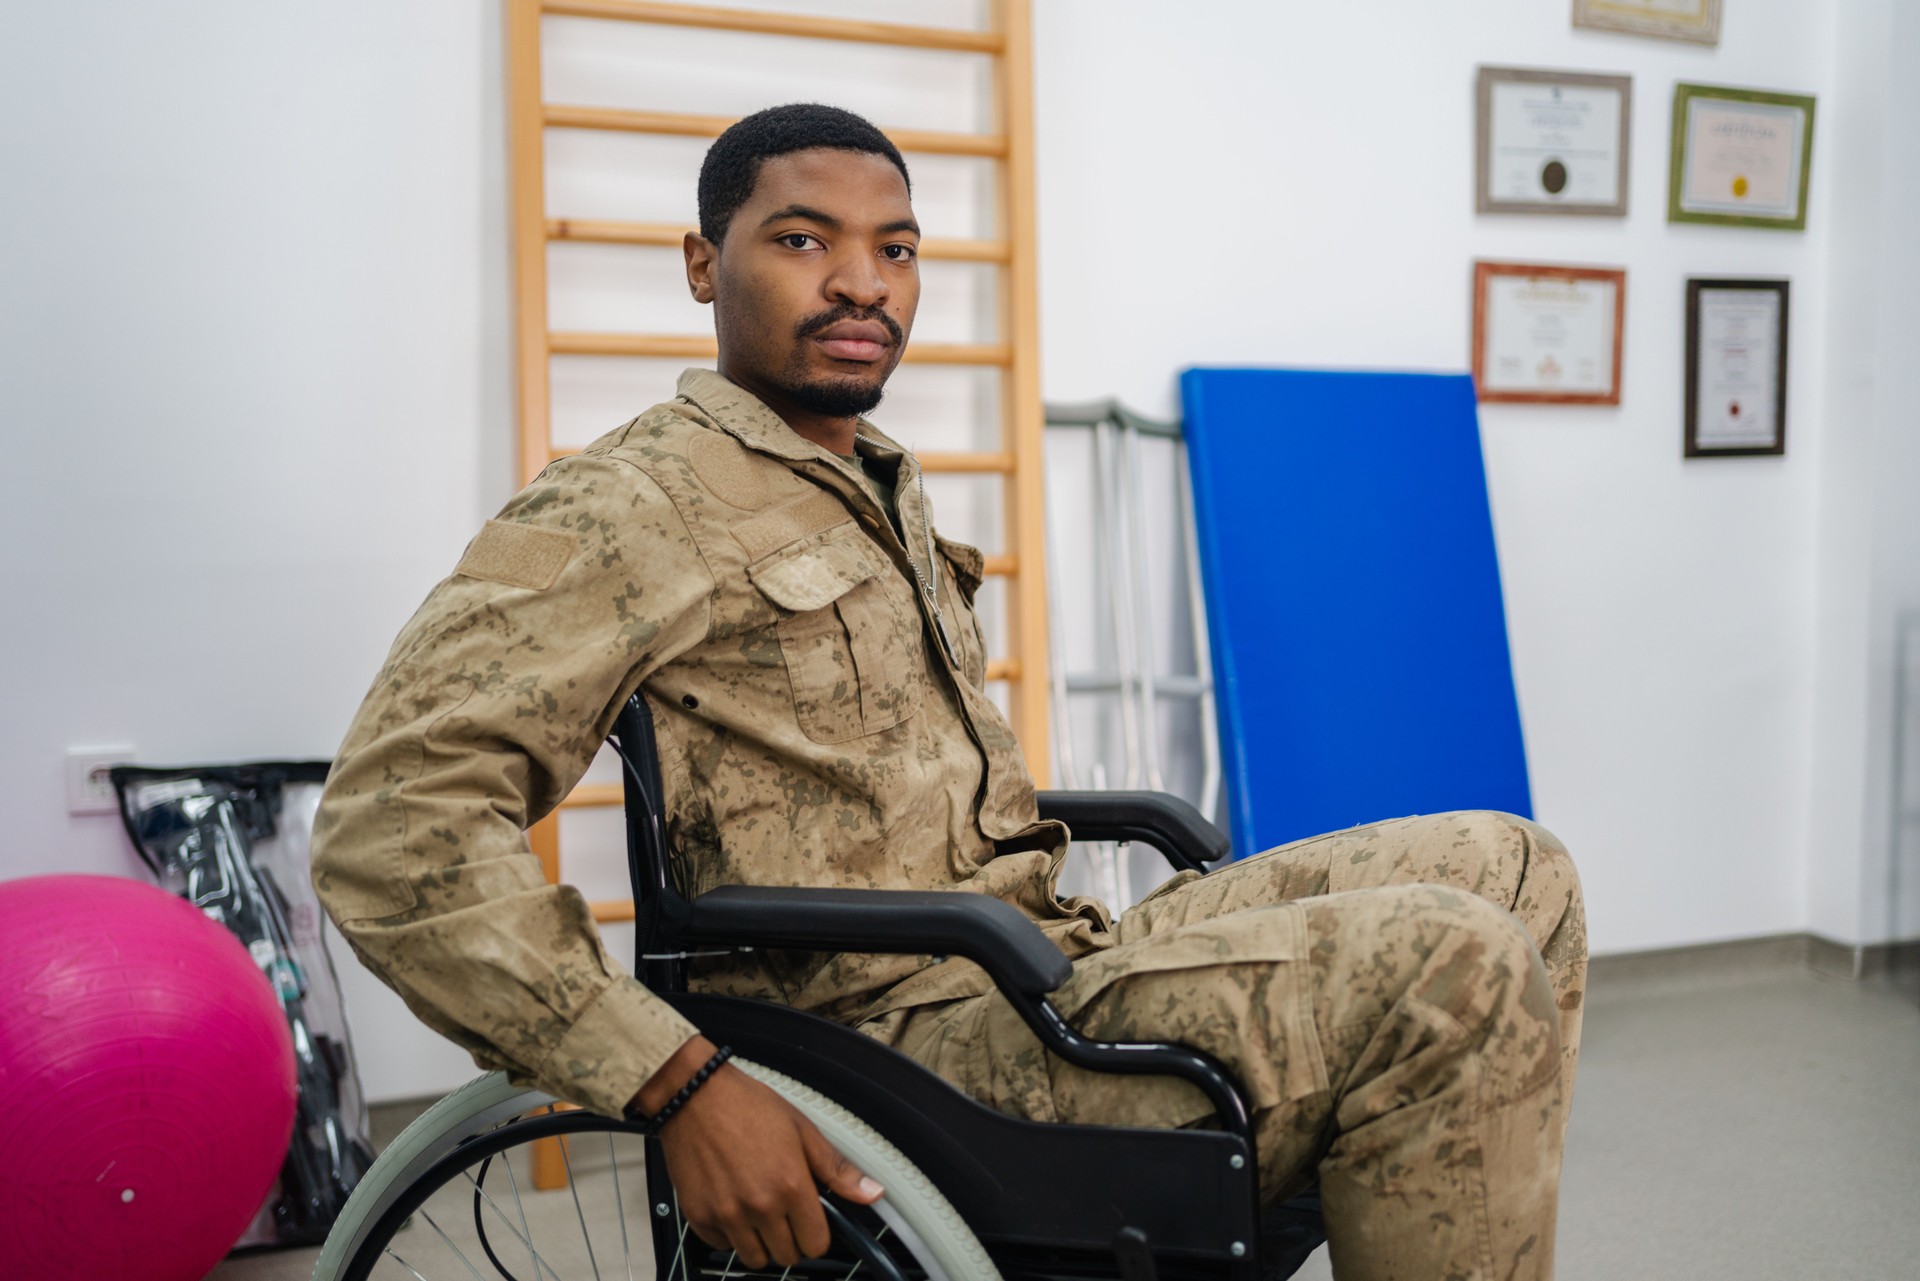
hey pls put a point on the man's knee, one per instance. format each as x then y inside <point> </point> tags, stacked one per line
<point>1439,976</point>
<point>1485,972</point>
<point>1510,861</point>
<point>1544,851</point>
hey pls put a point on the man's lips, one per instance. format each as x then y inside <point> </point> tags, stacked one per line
<point>859,340</point>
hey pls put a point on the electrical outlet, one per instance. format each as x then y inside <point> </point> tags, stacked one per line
<point>89,790</point>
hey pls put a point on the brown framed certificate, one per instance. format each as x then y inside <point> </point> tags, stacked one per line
<point>1736,367</point>
<point>1551,142</point>
<point>1548,334</point>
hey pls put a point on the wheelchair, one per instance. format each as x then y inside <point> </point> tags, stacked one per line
<point>971,1194</point>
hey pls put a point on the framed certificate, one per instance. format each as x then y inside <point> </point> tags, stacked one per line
<point>1547,334</point>
<point>1736,367</point>
<point>1552,142</point>
<point>1740,157</point>
<point>1695,21</point>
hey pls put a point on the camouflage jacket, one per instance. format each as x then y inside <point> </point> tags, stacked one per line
<point>813,730</point>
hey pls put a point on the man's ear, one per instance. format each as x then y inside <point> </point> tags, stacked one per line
<point>702,255</point>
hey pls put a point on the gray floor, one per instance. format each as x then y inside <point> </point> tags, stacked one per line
<point>1749,1127</point>
<point>1745,1118</point>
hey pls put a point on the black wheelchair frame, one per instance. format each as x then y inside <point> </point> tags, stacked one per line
<point>1047,1200</point>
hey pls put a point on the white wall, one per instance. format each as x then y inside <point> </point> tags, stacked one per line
<point>1292,185</point>
<point>1891,853</point>
<point>1868,536</point>
<point>252,400</point>
<point>254,366</point>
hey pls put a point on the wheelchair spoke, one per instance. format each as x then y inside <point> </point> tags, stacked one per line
<point>878,1237</point>
<point>450,1245</point>
<point>539,1264</point>
<point>866,1245</point>
<point>573,1186</point>
<point>680,1251</point>
<point>402,1262</point>
<point>521,1206</point>
<point>619,1206</point>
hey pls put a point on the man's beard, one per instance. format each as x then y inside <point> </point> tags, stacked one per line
<point>833,397</point>
<point>845,397</point>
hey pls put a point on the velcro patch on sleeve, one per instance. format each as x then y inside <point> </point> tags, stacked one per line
<point>518,555</point>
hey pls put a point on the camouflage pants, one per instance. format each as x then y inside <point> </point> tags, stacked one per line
<point>1401,1003</point>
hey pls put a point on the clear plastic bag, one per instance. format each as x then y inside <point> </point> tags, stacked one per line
<point>235,840</point>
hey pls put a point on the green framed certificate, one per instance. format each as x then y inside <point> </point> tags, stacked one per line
<point>1741,157</point>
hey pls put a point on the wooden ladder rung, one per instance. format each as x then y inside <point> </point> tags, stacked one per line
<point>977,464</point>
<point>668,235</point>
<point>780,24</point>
<point>677,346</point>
<point>697,347</point>
<point>558,116</point>
<point>948,249</point>
<point>1001,566</point>
<point>612,911</point>
<point>594,796</point>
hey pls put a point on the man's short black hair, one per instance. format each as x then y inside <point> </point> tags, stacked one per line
<point>732,166</point>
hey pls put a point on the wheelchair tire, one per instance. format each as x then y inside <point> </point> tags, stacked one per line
<point>490,1115</point>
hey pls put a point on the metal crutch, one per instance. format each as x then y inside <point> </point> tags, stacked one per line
<point>1120,564</point>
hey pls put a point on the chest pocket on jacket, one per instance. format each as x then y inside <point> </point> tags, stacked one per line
<point>849,634</point>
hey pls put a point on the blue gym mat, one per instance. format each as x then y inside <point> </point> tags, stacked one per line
<point>1353,595</point>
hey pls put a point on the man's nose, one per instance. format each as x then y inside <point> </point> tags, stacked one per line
<point>856,279</point>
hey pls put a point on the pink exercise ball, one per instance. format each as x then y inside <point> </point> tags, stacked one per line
<point>146,1083</point>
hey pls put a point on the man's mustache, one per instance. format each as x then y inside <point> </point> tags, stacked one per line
<point>846,311</point>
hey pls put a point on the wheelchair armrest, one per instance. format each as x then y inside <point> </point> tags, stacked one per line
<point>993,934</point>
<point>1162,820</point>
<point>984,930</point>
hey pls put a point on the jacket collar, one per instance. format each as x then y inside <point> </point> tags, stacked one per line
<point>744,415</point>
<point>876,444</point>
<point>741,414</point>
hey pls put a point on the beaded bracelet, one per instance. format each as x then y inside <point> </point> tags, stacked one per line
<point>650,1125</point>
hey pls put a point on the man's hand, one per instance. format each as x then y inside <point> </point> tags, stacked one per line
<point>745,1162</point>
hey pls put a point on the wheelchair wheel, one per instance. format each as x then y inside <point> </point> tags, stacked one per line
<point>452,1197</point>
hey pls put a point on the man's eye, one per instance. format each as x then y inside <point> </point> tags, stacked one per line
<point>900,253</point>
<point>797,240</point>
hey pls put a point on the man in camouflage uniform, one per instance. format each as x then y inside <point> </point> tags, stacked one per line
<point>1401,1002</point>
